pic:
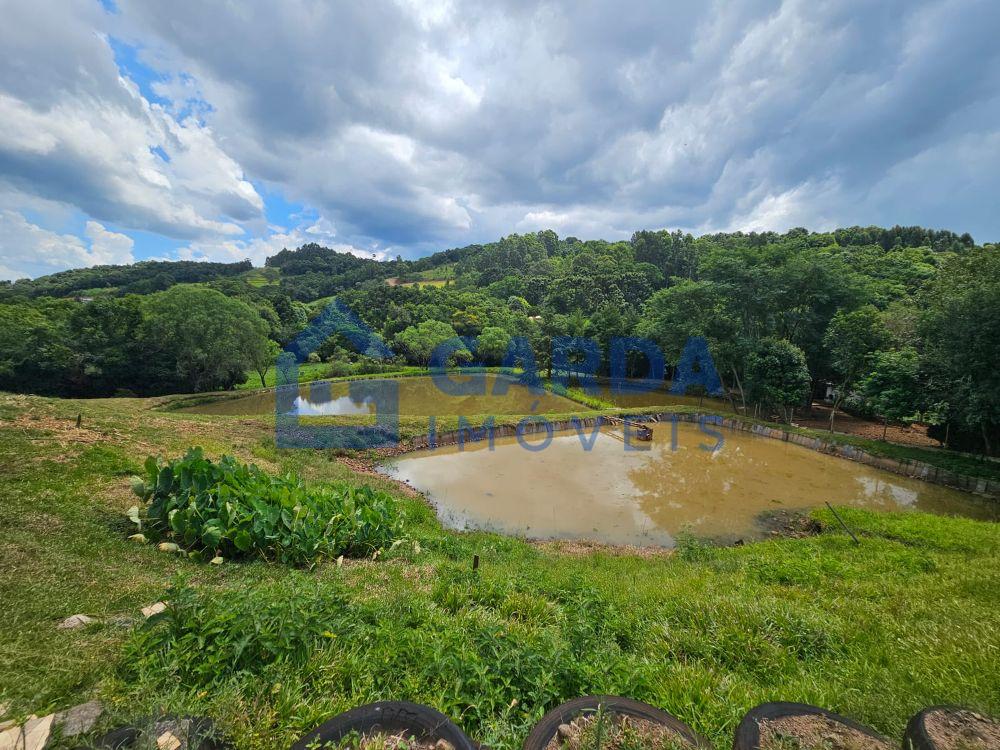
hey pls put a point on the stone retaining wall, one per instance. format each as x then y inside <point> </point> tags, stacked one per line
<point>905,467</point>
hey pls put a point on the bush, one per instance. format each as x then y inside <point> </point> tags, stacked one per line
<point>208,637</point>
<point>234,510</point>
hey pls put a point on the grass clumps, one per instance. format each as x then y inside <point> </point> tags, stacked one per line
<point>205,639</point>
<point>234,510</point>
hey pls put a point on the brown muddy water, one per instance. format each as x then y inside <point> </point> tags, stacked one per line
<point>646,497</point>
<point>418,396</point>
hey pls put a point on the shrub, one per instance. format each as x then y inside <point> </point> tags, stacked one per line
<point>233,510</point>
<point>208,637</point>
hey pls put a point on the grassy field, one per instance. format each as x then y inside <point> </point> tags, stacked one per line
<point>906,619</point>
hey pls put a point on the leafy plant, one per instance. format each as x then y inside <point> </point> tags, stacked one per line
<point>203,638</point>
<point>231,510</point>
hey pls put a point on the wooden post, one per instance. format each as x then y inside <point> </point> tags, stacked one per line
<point>475,562</point>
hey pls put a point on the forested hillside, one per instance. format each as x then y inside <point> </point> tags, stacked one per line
<point>904,322</point>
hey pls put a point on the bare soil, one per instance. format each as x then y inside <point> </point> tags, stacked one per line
<point>394,741</point>
<point>814,732</point>
<point>788,523</point>
<point>615,732</point>
<point>962,730</point>
<point>915,434</point>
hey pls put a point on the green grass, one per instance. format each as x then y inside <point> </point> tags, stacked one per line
<point>307,371</point>
<point>906,619</point>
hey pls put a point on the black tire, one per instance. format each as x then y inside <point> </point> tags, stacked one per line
<point>916,737</point>
<point>748,732</point>
<point>543,732</point>
<point>420,721</point>
<point>125,738</point>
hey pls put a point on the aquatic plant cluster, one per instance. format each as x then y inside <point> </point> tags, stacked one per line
<point>234,510</point>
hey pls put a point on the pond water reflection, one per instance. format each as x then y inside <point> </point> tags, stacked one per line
<point>646,497</point>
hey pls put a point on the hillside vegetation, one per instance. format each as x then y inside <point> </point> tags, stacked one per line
<point>906,619</point>
<point>903,322</point>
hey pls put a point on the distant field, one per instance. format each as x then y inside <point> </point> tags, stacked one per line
<point>427,282</point>
<point>261,276</point>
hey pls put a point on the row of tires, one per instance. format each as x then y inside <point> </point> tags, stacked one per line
<point>425,723</point>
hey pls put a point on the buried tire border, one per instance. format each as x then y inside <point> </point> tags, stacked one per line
<point>545,728</point>
<point>422,721</point>
<point>748,732</point>
<point>915,736</point>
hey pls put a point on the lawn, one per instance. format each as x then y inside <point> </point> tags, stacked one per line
<point>906,619</point>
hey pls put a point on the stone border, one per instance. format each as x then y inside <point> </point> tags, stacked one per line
<point>904,467</point>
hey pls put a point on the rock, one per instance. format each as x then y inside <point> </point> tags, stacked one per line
<point>75,621</point>
<point>31,736</point>
<point>79,719</point>
<point>154,609</point>
<point>168,741</point>
<point>443,744</point>
<point>565,731</point>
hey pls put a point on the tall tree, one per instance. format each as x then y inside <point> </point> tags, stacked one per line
<point>961,331</point>
<point>892,386</point>
<point>851,338</point>
<point>198,339</point>
<point>777,376</point>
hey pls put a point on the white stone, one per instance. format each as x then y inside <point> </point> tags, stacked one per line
<point>75,621</point>
<point>31,736</point>
<point>154,609</point>
<point>79,719</point>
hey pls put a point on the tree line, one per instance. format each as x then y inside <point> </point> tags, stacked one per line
<point>903,323</point>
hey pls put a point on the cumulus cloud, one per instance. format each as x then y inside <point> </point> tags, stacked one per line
<point>27,250</point>
<point>76,130</point>
<point>417,124</point>
<point>258,249</point>
<point>411,121</point>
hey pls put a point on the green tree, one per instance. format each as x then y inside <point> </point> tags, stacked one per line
<point>262,357</point>
<point>892,386</point>
<point>419,342</point>
<point>696,308</point>
<point>777,376</point>
<point>961,332</point>
<point>850,340</point>
<point>492,344</point>
<point>198,339</point>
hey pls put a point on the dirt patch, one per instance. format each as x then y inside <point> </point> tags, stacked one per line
<point>387,741</point>
<point>961,730</point>
<point>367,468</point>
<point>788,523</point>
<point>609,731</point>
<point>587,547</point>
<point>814,732</point>
<point>915,434</point>
<point>63,432</point>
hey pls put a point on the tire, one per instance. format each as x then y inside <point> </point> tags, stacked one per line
<point>124,738</point>
<point>393,716</point>
<point>748,731</point>
<point>543,732</point>
<point>916,737</point>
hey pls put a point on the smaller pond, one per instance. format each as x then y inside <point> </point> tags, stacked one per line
<point>646,497</point>
<point>418,396</point>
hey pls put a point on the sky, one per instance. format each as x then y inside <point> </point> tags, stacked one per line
<point>138,129</point>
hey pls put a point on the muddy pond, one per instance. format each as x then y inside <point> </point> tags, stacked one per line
<point>421,396</point>
<point>418,396</point>
<point>646,497</point>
